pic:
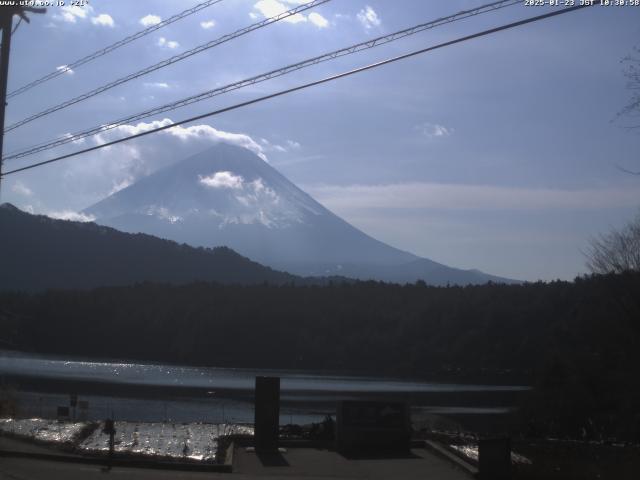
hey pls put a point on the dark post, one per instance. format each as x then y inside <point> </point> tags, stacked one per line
<point>267,413</point>
<point>110,429</point>
<point>6,19</point>
<point>494,458</point>
<point>73,403</point>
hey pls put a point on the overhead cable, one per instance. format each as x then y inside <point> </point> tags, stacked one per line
<point>381,40</point>
<point>310,84</point>
<point>168,61</point>
<point>108,49</point>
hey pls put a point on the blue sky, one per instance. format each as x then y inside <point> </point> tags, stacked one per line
<point>499,154</point>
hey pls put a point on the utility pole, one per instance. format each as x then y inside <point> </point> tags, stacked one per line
<point>6,23</point>
<point>6,19</point>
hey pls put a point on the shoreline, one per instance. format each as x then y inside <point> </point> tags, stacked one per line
<point>483,411</point>
<point>445,376</point>
<point>452,398</point>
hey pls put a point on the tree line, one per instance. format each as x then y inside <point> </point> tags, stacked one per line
<point>576,342</point>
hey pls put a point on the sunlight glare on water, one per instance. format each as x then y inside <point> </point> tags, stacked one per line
<point>42,430</point>
<point>210,377</point>
<point>193,441</point>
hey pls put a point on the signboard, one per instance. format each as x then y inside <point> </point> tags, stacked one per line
<point>374,414</point>
<point>370,425</point>
<point>63,412</point>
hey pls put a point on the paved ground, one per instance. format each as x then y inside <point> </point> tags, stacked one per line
<point>307,462</point>
<point>24,469</point>
<point>294,463</point>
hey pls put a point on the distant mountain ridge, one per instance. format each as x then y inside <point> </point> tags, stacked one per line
<point>38,252</point>
<point>227,195</point>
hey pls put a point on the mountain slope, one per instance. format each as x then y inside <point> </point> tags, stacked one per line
<point>227,195</point>
<point>37,252</point>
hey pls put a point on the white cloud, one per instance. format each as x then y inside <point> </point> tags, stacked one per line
<point>268,146</point>
<point>290,145</point>
<point>223,180</point>
<point>65,69</point>
<point>369,18</point>
<point>272,8</point>
<point>210,133</point>
<point>110,169</point>
<point>21,189</point>
<point>318,20</point>
<point>208,24</point>
<point>103,19</point>
<point>256,202</point>
<point>71,14</point>
<point>156,84</point>
<point>78,141</point>
<point>433,130</point>
<point>149,20</point>
<point>163,42</point>
<point>470,197</point>
<point>194,132</point>
<point>257,193</point>
<point>71,215</point>
<point>121,184</point>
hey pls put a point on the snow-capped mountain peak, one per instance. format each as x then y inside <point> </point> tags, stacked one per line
<point>229,196</point>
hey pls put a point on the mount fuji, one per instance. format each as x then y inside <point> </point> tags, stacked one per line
<point>228,196</point>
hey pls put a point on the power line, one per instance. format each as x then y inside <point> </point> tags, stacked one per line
<point>169,61</point>
<point>14,31</point>
<point>112,47</point>
<point>263,77</point>
<point>312,84</point>
<point>6,22</point>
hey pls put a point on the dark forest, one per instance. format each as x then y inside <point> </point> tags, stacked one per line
<point>576,342</point>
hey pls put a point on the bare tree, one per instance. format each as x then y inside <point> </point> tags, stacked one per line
<point>617,251</point>
<point>632,110</point>
<point>632,73</point>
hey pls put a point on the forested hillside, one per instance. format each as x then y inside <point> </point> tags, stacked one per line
<point>578,342</point>
<point>38,252</point>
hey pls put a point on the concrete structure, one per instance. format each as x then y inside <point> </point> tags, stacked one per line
<point>267,413</point>
<point>314,463</point>
<point>372,426</point>
<point>494,458</point>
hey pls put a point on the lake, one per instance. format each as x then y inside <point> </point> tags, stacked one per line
<point>156,392</point>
